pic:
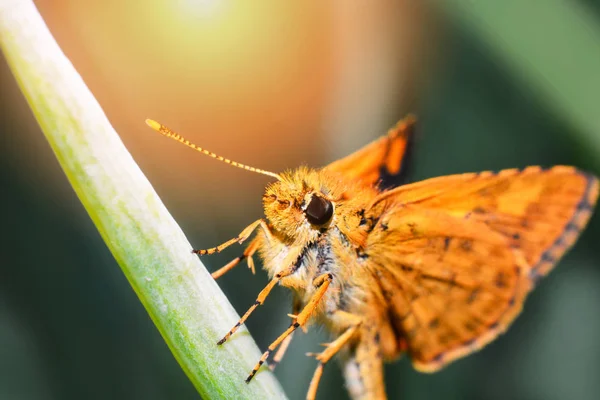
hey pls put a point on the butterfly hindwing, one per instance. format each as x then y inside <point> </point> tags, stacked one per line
<point>452,285</point>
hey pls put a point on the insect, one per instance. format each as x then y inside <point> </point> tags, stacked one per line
<point>435,269</point>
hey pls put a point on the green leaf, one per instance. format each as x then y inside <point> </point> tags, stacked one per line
<point>182,299</point>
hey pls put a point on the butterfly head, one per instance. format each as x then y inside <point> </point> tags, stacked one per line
<point>299,204</point>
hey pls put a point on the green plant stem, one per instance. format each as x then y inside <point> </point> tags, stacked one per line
<point>182,299</point>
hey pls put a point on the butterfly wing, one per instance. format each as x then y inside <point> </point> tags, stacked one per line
<point>456,256</point>
<point>540,211</point>
<point>383,161</point>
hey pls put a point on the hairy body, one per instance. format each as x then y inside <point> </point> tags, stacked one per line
<point>353,298</point>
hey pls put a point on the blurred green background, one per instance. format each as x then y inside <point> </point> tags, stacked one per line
<point>495,85</point>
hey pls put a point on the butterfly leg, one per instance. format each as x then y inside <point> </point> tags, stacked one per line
<point>286,343</point>
<point>259,300</point>
<point>321,282</point>
<point>238,239</point>
<point>353,322</point>
<point>247,254</point>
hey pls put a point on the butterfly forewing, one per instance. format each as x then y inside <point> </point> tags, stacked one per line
<point>456,256</point>
<point>381,159</point>
<point>540,211</point>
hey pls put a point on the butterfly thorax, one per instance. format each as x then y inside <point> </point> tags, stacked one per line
<point>315,249</point>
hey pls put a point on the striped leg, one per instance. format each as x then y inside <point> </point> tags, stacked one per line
<point>353,322</point>
<point>248,253</point>
<point>322,282</point>
<point>238,239</point>
<point>259,300</point>
<point>286,343</point>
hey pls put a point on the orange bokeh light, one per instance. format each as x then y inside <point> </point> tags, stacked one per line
<point>251,81</point>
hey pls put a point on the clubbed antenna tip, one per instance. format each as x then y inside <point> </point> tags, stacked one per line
<point>165,131</point>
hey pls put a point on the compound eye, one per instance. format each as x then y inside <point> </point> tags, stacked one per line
<point>319,211</point>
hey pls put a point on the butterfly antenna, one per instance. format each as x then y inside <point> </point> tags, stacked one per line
<point>165,131</point>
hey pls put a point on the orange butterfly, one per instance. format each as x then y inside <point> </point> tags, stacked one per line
<point>436,269</point>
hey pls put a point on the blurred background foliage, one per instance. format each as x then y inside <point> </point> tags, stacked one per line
<point>278,84</point>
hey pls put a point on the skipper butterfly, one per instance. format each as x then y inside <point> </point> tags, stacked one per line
<point>435,269</point>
